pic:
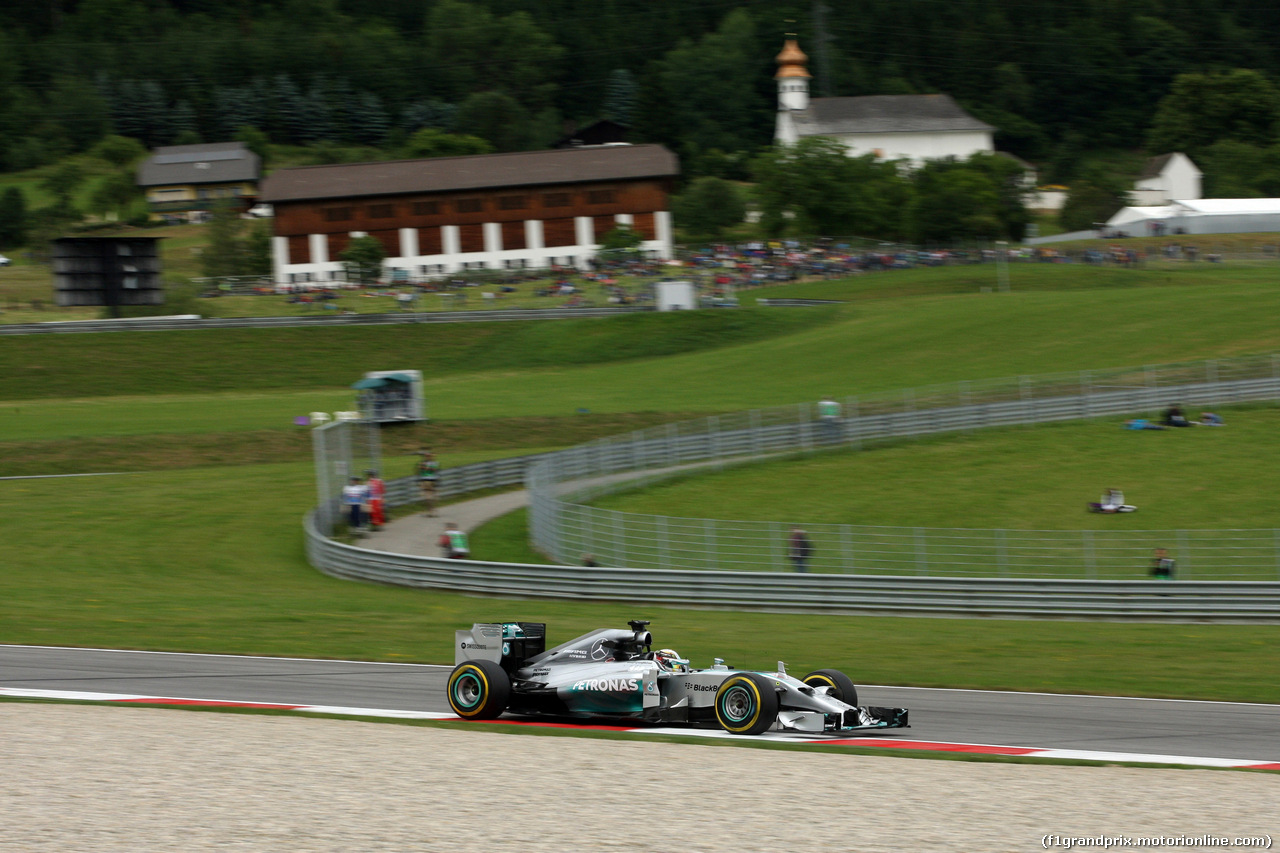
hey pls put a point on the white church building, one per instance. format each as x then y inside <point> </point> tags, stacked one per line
<point>914,128</point>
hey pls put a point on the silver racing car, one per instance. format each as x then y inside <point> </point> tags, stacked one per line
<point>613,673</point>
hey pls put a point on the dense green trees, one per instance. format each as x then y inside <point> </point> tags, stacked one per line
<point>708,206</point>
<point>13,218</point>
<point>814,188</point>
<point>363,259</point>
<point>1054,75</point>
<point>237,247</point>
<point>1059,78</point>
<point>1095,196</point>
<point>1201,109</point>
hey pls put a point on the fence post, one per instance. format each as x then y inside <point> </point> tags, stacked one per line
<point>856,426</point>
<point>1002,552</point>
<point>846,548</point>
<point>1024,390</point>
<point>713,425</point>
<point>588,539</point>
<point>1086,392</point>
<point>806,439</point>
<point>324,521</point>
<point>664,550</point>
<point>620,538</point>
<point>709,530</point>
<point>922,557</point>
<point>1184,555</point>
<point>754,421</point>
<point>1090,558</point>
<point>775,545</point>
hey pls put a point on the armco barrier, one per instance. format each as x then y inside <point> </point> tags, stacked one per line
<point>564,524</point>
<point>906,596</point>
<point>169,324</point>
<point>590,470</point>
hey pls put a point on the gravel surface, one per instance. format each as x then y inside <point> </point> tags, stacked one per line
<point>81,779</point>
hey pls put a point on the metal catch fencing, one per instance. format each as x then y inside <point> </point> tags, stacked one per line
<point>565,525</point>
<point>1197,601</point>
<point>342,449</point>
<point>346,448</point>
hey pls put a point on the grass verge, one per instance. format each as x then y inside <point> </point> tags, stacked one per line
<point>211,560</point>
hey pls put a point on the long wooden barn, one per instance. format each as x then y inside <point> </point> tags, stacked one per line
<point>491,211</point>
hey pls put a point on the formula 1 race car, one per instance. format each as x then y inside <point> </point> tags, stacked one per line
<point>612,673</point>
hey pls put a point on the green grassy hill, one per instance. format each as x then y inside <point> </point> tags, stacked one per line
<point>204,552</point>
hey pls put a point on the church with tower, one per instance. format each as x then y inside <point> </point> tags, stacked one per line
<point>913,128</point>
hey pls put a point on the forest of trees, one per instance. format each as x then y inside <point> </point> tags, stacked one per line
<point>1059,78</point>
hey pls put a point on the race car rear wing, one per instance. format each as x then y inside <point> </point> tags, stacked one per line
<point>508,644</point>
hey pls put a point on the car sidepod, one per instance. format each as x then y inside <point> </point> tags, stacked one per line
<point>614,689</point>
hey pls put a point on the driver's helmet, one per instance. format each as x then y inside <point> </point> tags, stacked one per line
<point>670,660</point>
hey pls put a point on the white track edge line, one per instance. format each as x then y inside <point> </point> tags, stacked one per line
<point>1033,752</point>
<point>450,666</point>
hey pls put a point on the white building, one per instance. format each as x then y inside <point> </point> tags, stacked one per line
<point>492,211</point>
<point>1200,216</point>
<point>892,127</point>
<point>1167,178</point>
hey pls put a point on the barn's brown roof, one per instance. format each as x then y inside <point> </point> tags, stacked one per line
<point>484,171</point>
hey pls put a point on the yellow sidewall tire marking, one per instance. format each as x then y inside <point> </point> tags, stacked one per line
<point>755,692</point>
<point>478,673</point>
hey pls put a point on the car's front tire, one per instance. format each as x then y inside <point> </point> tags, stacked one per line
<point>746,704</point>
<point>841,685</point>
<point>479,690</point>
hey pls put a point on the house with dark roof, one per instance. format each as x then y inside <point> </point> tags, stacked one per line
<point>188,180</point>
<point>490,211</point>
<point>914,128</point>
<point>1167,178</point>
<point>603,132</point>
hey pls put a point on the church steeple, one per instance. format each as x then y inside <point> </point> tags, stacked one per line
<point>793,77</point>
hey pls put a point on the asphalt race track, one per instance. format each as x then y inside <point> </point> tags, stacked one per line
<point>1156,727</point>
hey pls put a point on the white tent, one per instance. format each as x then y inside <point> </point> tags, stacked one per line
<point>1127,215</point>
<point>1201,216</point>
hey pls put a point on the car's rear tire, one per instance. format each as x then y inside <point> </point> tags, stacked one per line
<point>746,704</point>
<point>841,685</point>
<point>479,690</point>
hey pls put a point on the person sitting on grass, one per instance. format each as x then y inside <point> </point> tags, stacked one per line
<point>1141,423</point>
<point>1174,417</point>
<point>1162,565</point>
<point>1210,419</point>
<point>1112,501</point>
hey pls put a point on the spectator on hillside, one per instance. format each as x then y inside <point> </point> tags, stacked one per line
<point>354,495</point>
<point>1112,501</point>
<point>1175,417</point>
<point>377,500</point>
<point>799,549</point>
<point>454,542</point>
<point>1162,565</point>
<point>428,473</point>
